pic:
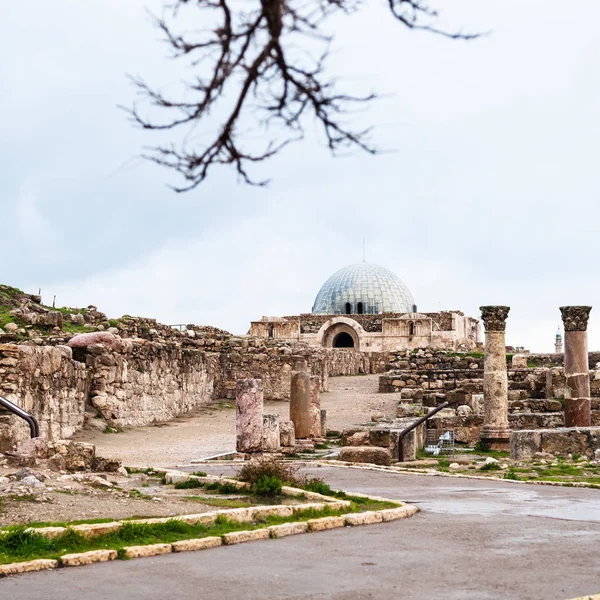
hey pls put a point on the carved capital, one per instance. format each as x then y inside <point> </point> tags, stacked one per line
<point>575,318</point>
<point>494,317</point>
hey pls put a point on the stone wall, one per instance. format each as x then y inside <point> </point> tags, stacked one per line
<point>149,382</point>
<point>46,382</point>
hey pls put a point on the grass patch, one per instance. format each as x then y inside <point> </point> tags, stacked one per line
<point>490,467</point>
<point>512,475</point>
<point>493,453</point>
<point>189,484</point>
<point>199,473</point>
<point>317,485</point>
<point>19,544</point>
<point>220,502</point>
<point>222,488</point>
<point>268,486</point>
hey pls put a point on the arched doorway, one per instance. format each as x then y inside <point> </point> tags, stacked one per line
<point>343,340</point>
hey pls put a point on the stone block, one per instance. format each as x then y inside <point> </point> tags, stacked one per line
<point>270,433</point>
<point>29,566</point>
<point>239,537</point>
<point>287,435</point>
<point>48,532</point>
<point>87,558</point>
<point>202,518</point>
<point>365,454</point>
<point>197,544</point>
<point>279,531</point>
<point>519,361</point>
<point>272,511</point>
<point>149,550</point>
<point>392,514</point>
<point>410,410</point>
<point>91,530</point>
<point>239,515</point>
<point>363,518</point>
<point>326,523</point>
<point>355,436</point>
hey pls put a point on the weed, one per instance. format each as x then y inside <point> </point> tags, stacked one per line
<point>316,485</point>
<point>267,485</point>
<point>490,467</point>
<point>188,484</point>
<point>512,475</point>
<point>199,473</point>
<point>267,466</point>
<point>222,488</point>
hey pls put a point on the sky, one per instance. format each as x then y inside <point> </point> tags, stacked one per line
<point>487,192</point>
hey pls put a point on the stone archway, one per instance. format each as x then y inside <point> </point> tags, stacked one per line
<point>343,340</point>
<point>341,332</point>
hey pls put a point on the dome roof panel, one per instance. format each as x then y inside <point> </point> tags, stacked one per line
<point>377,288</point>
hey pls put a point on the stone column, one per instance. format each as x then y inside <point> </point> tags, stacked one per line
<point>577,377</point>
<point>300,404</point>
<point>315,407</point>
<point>495,434</point>
<point>249,415</point>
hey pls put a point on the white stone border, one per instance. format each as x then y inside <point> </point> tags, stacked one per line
<point>385,515</point>
<point>432,473</point>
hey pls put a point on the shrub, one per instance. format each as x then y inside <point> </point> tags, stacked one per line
<point>316,485</point>
<point>490,467</point>
<point>268,486</point>
<point>256,469</point>
<point>222,488</point>
<point>199,473</point>
<point>190,483</point>
<point>512,475</point>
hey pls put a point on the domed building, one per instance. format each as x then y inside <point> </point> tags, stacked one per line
<point>368,308</point>
<point>363,289</point>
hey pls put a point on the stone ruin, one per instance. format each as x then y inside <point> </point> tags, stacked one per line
<point>536,405</point>
<point>260,433</point>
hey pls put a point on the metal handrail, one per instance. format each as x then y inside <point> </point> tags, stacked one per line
<point>13,408</point>
<point>415,425</point>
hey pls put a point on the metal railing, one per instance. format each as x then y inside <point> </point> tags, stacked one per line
<point>414,425</point>
<point>13,408</point>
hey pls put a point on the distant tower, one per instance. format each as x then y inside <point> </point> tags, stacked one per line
<point>558,342</point>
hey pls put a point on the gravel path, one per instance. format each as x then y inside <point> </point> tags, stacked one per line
<point>211,430</point>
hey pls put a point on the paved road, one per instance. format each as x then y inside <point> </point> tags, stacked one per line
<point>473,540</point>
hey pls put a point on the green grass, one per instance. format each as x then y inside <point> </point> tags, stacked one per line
<point>512,475</point>
<point>69,327</point>
<point>220,502</point>
<point>492,453</point>
<point>199,473</point>
<point>189,484</point>
<point>317,485</point>
<point>222,488</point>
<point>20,545</point>
<point>490,467</point>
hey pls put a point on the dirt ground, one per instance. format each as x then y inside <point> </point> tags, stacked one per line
<point>211,430</point>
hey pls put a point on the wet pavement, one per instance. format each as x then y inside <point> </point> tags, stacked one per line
<point>473,540</point>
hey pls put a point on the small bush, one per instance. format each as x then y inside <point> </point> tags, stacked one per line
<point>512,475</point>
<point>222,488</point>
<point>316,485</point>
<point>490,467</point>
<point>199,473</point>
<point>268,486</point>
<point>189,484</point>
<point>255,470</point>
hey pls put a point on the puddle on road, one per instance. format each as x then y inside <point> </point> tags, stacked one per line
<point>522,502</point>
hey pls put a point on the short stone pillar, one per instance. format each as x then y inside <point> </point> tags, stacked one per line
<point>300,404</point>
<point>287,434</point>
<point>270,433</point>
<point>249,415</point>
<point>519,361</point>
<point>577,403</point>
<point>495,433</point>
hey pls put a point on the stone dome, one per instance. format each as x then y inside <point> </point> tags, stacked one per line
<point>363,288</point>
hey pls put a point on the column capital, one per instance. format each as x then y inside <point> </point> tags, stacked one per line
<point>575,318</point>
<point>494,317</point>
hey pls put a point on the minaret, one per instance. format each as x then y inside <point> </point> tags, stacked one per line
<point>558,342</point>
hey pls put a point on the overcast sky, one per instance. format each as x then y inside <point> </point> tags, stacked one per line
<point>490,195</point>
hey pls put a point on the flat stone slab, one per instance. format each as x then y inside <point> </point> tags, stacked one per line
<point>197,544</point>
<point>87,558</point>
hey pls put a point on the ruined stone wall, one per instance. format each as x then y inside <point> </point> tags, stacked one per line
<point>149,382</point>
<point>46,382</point>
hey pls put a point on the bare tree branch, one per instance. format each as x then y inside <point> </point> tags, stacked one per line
<point>254,72</point>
